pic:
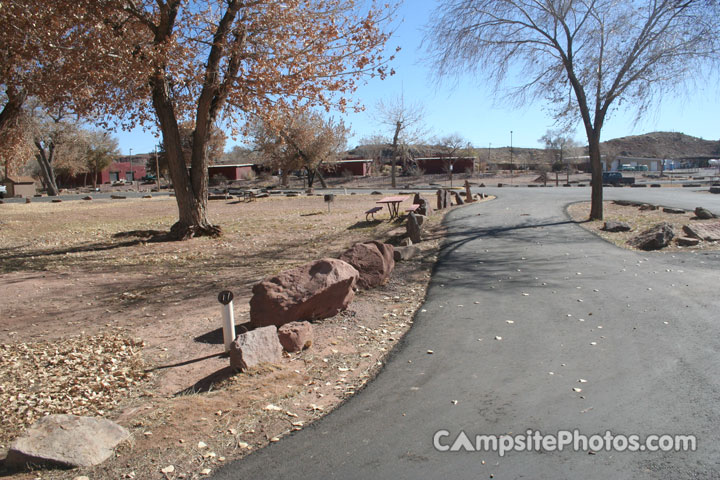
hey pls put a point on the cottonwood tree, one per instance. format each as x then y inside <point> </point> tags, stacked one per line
<point>405,121</point>
<point>60,145</point>
<point>304,141</point>
<point>585,56</point>
<point>101,149</point>
<point>56,53</point>
<point>215,146</point>
<point>239,155</point>
<point>214,61</point>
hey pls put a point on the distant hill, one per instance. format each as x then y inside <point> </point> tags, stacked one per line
<point>649,145</point>
<point>661,145</point>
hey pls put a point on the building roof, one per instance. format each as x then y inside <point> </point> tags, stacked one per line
<point>20,179</point>
<point>361,160</point>
<point>222,165</point>
<point>446,158</point>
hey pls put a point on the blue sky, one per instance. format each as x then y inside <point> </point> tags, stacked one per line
<point>468,107</point>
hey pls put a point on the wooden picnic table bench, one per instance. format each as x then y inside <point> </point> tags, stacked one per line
<point>393,204</point>
<point>371,213</point>
<point>412,208</point>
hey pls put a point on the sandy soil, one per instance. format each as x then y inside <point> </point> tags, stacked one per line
<point>75,271</point>
<point>639,220</point>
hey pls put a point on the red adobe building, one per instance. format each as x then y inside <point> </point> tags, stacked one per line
<point>230,172</point>
<point>359,168</point>
<point>120,169</point>
<point>438,165</point>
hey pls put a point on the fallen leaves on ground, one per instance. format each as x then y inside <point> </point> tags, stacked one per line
<point>85,375</point>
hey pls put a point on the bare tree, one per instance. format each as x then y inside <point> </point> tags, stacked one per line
<point>584,56</point>
<point>406,123</point>
<point>558,145</point>
<point>453,145</point>
<point>377,147</point>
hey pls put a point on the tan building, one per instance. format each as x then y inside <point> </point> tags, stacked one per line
<point>20,186</point>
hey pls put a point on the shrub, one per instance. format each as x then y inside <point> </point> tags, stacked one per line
<point>250,175</point>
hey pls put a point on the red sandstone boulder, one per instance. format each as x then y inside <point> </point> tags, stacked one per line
<point>313,291</point>
<point>374,260</point>
<point>296,336</point>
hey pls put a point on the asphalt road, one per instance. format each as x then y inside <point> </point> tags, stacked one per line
<point>654,367</point>
<point>79,196</point>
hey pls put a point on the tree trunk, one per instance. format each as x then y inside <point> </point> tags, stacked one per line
<point>8,120</point>
<point>393,162</point>
<point>320,177</point>
<point>45,159</point>
<point>190,193</point>
<point>596,209</point>
<point>11,110</point>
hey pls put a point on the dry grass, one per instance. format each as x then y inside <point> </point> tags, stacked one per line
<point>76,269</point>
<point>639,220</point>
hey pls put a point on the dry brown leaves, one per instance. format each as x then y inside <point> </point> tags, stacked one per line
<point>85,375</point>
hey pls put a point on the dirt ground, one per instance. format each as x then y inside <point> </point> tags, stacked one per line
<point>101,316</point>
<point>639,220</point>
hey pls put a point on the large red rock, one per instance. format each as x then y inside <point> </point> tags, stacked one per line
<point>313,291</point>
<point>295,336</point>
<point>374,260</point>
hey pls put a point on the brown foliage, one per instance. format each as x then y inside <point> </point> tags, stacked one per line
<point>211,61</point>
<point>304,141</point>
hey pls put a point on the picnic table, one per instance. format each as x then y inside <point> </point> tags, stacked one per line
<point>250,194</point>
<point>393,204</point>
<point>413,208</point>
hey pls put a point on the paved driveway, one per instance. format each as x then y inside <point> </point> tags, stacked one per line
<point>643,330</point>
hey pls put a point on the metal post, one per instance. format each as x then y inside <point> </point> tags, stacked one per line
<point>157,171</point>
<point>225,298</point>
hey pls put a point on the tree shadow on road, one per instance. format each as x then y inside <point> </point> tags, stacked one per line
<point>465,261</point>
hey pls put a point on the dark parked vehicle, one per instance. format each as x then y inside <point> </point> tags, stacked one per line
<point>615,178</point>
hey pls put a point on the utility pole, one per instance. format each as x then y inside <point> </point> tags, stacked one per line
<point>511,159</point>
<point>489,148</point>
<point>132,175</point>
